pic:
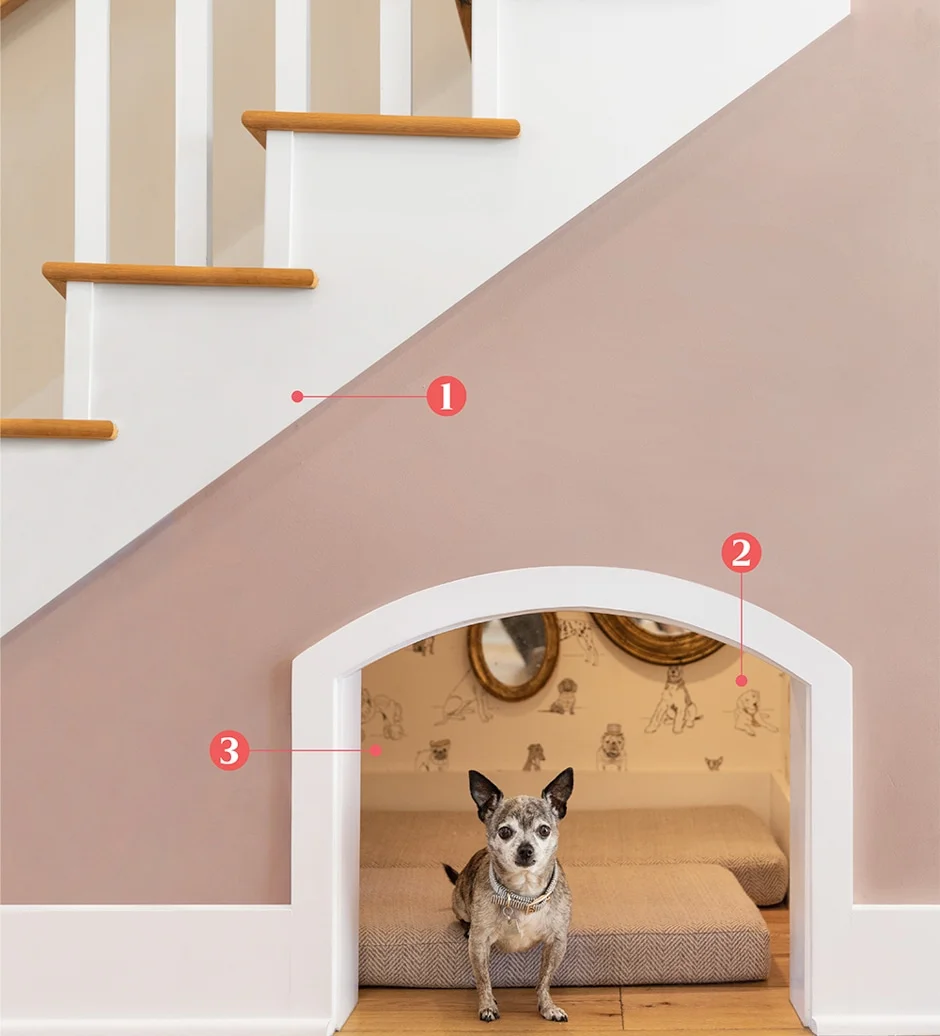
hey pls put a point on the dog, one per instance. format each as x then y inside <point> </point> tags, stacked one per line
<point>436,757</point>
<point>513,894</point>
<point>675,705</point>
<point>535,757</point>
<point>612,753</point>
<point>384,711</point>
<point>714,764</point>
<point>567,694</point>
<point>748,716</point>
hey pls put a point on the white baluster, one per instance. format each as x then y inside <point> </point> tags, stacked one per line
<point>395,30</point>
<point>485,62</point>
<point>92,194</point>
<point>194,132</point>
<point>292,55</point>
<point>92,129</point>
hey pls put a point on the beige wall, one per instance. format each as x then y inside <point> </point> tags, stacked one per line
<point>36,163</point>
<point>744,335</point>
<point>428,693</point>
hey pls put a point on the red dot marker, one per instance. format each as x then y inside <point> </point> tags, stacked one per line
<point>375,750</point>
<point>741,680</point>
<point>297,396</point>
<point>446,396</point>
<point>229,750</point>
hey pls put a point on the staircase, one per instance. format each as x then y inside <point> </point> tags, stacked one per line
<point>392,218</point>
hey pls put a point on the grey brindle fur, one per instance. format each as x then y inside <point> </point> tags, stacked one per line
<point>521,843</point>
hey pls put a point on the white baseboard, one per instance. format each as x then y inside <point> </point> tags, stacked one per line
<point>225,971</point>
<point>169,1027</point>
<point>878,1025</point>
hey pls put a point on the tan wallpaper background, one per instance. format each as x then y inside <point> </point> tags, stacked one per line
<point>427,711</point>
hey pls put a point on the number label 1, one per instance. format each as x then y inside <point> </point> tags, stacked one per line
<point>446,396</point>
<point>229,750</point>
<point>741,552</point>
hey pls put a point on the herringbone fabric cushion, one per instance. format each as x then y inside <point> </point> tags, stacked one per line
<point>731,836</point>
<point>631,925</point>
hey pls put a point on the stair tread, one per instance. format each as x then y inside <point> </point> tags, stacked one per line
<point>59,274</point>
<point>258,123</point>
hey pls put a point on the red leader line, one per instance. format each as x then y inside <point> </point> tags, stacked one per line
<point>741,623</point>
<point>251,751</point>
<point>306,395</point>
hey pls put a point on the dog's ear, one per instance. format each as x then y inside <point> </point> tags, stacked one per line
<point>485,794</point>
<point>558,791</point>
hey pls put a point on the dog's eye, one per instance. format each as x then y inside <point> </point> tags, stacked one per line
<point>544,831</point>
<point>505,833</point>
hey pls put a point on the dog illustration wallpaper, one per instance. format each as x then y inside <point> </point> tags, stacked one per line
<point>602,709</point>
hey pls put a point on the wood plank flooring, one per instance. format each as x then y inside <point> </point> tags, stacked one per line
<point>747,1009</point>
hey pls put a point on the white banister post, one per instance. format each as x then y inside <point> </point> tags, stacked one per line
<point>193,133</point>
<point>92,129</point>
<point>395,61</point>
<point>291,94</point>
<point>292,55</point>
<point>92,195</point>
<point>484,66</point>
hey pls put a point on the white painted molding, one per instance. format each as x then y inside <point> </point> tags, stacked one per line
<point>194,133</point>
<point>484,64</point>
<point>292,56</point>
<point>100,971</point>
<point>326,710</point>
<point>92,130</point>
<point>395,57</point>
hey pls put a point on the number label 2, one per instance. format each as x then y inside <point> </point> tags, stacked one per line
<point>741,552</point>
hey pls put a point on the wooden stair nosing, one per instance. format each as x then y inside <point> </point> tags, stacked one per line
<point>56,428</point>
<point>59,274</point>
<point>259,123</point>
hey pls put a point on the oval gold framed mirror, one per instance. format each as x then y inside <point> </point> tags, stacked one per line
<point>655,641</point>
<point>514,657</point>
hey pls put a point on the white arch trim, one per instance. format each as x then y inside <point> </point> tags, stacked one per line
<point>325,787</point>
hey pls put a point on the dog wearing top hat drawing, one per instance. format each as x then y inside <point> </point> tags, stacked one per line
<point>513,895</point>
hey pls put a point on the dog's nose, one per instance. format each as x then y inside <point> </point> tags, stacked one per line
<point>525,852</point>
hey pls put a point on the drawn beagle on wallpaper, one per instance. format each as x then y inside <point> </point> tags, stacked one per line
<point>748,717</point>
<point>675,705</point>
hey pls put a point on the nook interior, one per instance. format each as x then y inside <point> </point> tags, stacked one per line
<point>676,841</point>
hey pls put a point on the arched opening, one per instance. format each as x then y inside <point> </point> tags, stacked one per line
<point>326,786</point>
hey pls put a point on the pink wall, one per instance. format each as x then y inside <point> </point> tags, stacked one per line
<point>743,336</point>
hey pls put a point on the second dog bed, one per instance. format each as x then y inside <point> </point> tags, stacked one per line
<point>631,925</point>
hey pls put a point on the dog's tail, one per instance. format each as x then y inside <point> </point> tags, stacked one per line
<point>451,873</point>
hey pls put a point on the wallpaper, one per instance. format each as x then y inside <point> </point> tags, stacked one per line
<point>602,709</point>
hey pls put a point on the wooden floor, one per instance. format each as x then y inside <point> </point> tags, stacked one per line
<point>750,1009</point>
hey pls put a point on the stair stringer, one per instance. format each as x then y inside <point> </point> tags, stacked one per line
<point>399,230</point>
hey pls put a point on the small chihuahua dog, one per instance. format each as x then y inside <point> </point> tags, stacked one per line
<point>513,894</point>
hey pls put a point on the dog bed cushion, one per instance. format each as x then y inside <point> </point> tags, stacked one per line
<point>731,836</point>
<point>631,925</point>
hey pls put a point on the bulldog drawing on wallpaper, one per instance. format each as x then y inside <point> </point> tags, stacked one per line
<point>612,754</point>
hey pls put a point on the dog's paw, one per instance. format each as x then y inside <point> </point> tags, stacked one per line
<point>551,1013</point>
<point>489,1014</point>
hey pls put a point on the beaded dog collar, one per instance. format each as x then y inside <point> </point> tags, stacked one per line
<point>513,901</point>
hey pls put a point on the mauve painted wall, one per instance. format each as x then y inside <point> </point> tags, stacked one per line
<point>743,336</point>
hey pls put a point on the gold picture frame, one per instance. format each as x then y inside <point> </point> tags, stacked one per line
<point>677,649</point>
<point>513,692</point>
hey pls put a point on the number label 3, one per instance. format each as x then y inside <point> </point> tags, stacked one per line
<point>741,552</point>
<point>229,750</point>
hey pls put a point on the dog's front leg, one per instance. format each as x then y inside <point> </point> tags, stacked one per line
<point>552,954</point>
<point>480,962</point>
